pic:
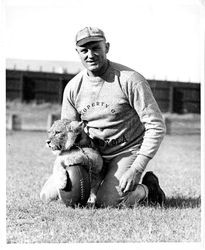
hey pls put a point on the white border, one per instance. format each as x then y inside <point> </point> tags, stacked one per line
<point>202,45</point>
<point>97,245</point>
<point>2,126</point>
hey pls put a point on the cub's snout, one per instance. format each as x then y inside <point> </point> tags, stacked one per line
<point>48,142</point>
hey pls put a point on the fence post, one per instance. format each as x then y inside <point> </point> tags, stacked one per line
<point>22,87</point>
<point>51,119</point>
<point>14,122</point>
<point>168,125</point>
<point>60,91</point>
<point>171,98</point>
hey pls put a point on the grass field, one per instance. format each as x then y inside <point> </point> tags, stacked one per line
<point>29,163</point>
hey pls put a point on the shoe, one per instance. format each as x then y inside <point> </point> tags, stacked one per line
<point>156,194</point>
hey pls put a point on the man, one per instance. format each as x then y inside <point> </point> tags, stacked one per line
<point>123,118</point>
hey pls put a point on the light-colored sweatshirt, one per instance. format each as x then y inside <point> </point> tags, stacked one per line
<point>121,111</point>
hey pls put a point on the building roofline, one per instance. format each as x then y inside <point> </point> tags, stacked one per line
<point>70,67</point>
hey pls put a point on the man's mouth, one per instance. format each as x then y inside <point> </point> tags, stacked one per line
<point>92,62</point>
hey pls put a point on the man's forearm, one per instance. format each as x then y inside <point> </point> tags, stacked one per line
<point>140,163</point>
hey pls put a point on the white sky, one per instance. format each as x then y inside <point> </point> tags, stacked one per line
<point>160,39</point>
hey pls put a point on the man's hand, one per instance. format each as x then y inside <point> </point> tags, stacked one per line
<point>129,180</point>
<point>131,177</point>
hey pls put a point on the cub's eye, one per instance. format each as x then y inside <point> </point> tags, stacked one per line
<point>57,132</point>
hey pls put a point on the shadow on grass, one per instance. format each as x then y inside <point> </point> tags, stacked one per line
<point>171,202</point>
<point>183,202</point>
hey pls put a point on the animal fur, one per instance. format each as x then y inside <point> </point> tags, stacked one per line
<point>72,146</point>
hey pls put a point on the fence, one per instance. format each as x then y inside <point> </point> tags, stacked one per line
<point>39,86</point>
<point>173,97</point>
<point>177,97</point>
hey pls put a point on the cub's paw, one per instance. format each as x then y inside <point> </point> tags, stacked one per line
<point>49,191</point>
<point>60,179</point>
<point>47,197</point>
<point>92,199</point>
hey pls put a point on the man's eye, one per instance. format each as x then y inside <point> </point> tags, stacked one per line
<point>96,48</point>
<point>84,51</point>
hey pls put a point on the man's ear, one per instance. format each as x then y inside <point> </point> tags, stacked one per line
<point>107,47</point>
<point>76,49</point>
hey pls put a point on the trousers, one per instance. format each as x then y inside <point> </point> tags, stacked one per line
<point>109,192</point>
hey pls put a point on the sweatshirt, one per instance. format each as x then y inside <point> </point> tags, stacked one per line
<point>120,109</point>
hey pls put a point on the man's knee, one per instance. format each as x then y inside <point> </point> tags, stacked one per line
<point>116,197</point>
<point>108,197</point>
<point>106,202</point>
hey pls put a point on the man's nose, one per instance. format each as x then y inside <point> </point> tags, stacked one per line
<point>90,53</point>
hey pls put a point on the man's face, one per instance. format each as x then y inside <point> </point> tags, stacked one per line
<point>93,55</point>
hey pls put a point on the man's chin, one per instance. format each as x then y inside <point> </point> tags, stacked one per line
<point>93,68</point>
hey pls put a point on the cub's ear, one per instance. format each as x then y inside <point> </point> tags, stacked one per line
<point>75,126</point>
<point>83,123</point>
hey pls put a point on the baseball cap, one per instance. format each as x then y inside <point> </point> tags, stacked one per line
<point>89,34</point>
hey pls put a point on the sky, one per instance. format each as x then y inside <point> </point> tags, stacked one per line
<point>161,39</point>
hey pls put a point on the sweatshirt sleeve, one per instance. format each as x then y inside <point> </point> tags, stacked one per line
<point>143,101</point>
<point>68,109</point>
